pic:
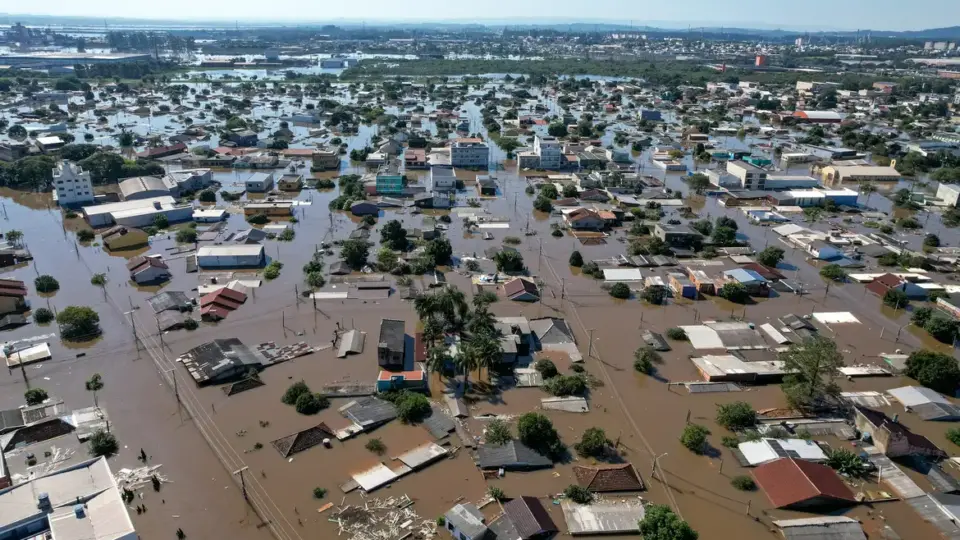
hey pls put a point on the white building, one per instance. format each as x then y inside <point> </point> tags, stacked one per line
<point>766,450</point>
<point>71,185</point>
<point>549,151</point>
<point>750,176</point>
<point>470,153</point>
<point>442,178</point>
<point>235,256</point>
<point>949,194</point>
<point>259,182</point>
<point>137,213</point>
<point>79,502</point>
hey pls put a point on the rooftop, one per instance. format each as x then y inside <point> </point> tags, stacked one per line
<point>609,478</point>
<point>789,482</point>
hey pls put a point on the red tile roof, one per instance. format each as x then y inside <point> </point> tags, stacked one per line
<point>215,311</point>
<point>225,298</point>
<point>765,272</point>
<point>139,263</point>
<point>12,287</point>
<point>609,478</point>
<point>518,286</point>
<point>789,482</point>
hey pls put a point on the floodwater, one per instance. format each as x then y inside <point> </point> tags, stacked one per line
<point>199,451</point>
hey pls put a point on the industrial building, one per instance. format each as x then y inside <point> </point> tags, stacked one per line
<point>51,59</point>
<point>72,185</point>
<point>235,256</point>
<point>137,213</point>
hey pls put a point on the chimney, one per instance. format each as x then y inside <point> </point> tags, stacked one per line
<point>156,205</point>
<point>43,502</point>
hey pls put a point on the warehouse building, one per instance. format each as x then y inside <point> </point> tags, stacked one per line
<point>137,213</point>
<point>235,256</point>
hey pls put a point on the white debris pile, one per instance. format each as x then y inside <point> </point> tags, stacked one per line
<point>382,519</point>
<point>136,478</point>
<point>55,458</point>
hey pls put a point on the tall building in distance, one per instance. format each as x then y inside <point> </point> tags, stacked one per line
<point>71,185</point>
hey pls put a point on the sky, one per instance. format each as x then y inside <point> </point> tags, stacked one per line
<point>786,14</point>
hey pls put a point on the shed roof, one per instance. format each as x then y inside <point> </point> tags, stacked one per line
<point>821,528</point>
<point>788,482</point>
<point>511,455</point>
<point>467,519</point>
<point>608,478</point>
<point>529,517</point>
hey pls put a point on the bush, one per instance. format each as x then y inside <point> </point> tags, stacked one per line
<point>557,233</point>
<point>512,241</point>
<point>576,259</point>
<point>187,236</point>
<point>660,523</point>
<point>78,322</point>
<point>207,196</point>
<point>654,294</point>
<point>542,204</point>
<point>845,462</point>
<point>319,492</point>
<point>35,396</point>
<point>644,358</point>
<point>258,219</point>
<point>942,328</point>
<point>191,324</point>
<point>734,292</point>
<point>578,494</point>
<point>161,221</point>
<point>934,370</point>
<point>770,256</point>
<point>295,390</point>
<point>565,385</point>
<point>85,235</point>
<point>736,416</point>
<point>953,435</point>
<point>42,315</point>
<point>620,290</point>
<point>677,334</point>
<point>103,443</point>
<point>376,446</point>
<point>496,493</point>
<point>743,483</point>
<point>286,235</point>
<point>509,261</point>
<point>730,442</point>
<point>546,368</point>
<point>591,269</point>
<point>834,272</point>
<point>310,403</point>
<point>412,407</point>
<point>46,284</point>
<point>272,271</point>
<point>694,437</point>
<point>593,443</point>
<point>498,432</point>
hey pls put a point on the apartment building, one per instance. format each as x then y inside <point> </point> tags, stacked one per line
<point>750,176</point>
<point>549,151</point>
<point>470,153</point>
<point>71,185</point>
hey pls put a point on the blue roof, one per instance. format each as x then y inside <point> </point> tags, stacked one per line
<point>744,276</point>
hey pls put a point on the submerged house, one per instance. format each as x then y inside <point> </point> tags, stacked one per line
<point>390,347</point>
<point>893,438</point>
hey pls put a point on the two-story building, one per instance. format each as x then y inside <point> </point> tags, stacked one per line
<point>470,153</point>
<point>391,345</point>
<point>325,160</point>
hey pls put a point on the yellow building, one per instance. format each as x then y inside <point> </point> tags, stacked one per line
<point>272,208</point>
<point>290,182</point>
<point>119,238</point>
<point>833,176</point>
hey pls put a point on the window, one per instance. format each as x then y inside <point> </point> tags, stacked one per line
<point>449,525</point>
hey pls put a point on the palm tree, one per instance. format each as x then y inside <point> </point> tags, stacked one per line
<point>466,360</point>
<point>437,358</point>
<point>95,384</point>
<point>487,350</point>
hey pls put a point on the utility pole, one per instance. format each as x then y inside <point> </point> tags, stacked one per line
<point>563,287</point>
<point>590,346</point>
<point>243,483</point>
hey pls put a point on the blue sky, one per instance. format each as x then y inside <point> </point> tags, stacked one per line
<point>795,14</point>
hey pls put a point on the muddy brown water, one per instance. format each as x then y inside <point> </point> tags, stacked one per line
<point>644,413</point>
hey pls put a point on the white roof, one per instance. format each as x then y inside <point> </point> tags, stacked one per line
<point>703,337</point>
<point>911,396</point>
<point>836,318</point>
<point>716,366</point>
<point>377,476</point>
<point>866,171</point>
<point>209,212</point>
<point>622,274</point>
<point>165,201</point>
<point>765,450</point>
<point>237,250</point>
<point>788,229</point>
<point>49,140</point>
<point>104,516</point>
<point>601,517</point>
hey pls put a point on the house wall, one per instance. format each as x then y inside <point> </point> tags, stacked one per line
<point>9,304</point>
<point>125,241</point>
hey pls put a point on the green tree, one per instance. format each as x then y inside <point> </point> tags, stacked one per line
<point>578,494</point>
<point>698,183</point>
<point>94,384</point>
<point>734,292</point>
<point>736,416</point>
<point>315,280</point>
<point>439,251</point>
<point>811,368</point>
<point>743,483</point>
<point>593,443</point>
<point>549,191</point>
<point>921,316</point>
<point>566,385</point>
<point>103,443</point>
<point>412,407</point>
<point>554,130</point>
<point>310,403</point>
<point>677,334</point>
<point>161,221</point>
<point>546,368</point>
<point>644,359</point>
<point>509,261</point>
<point>953,435</point>
<point>724,236</point>
<point>934,370</point>
<point>295,390</point>
<point>654,294</point>
<point>845,462</point>
<point>576,260</point>
<point>354,253</point>
<point>207,196</point>
<point>703,226</point>
<point>46,284</point>
<point>394,235</point>
<point>497,432</point>
<point>931,240</point>
<point>376,446</point>
<point>78,322</point>
<point>895,298</point>
<point>42,315</point>
<point>35,396</point>
<point>570,190</point>
<point>694,437</point>
<point>85,235</point>
<point>17,132</point>
<point>542,204</point>
<point>14,236</point>
<point>770,256</point>
<point>942,328</point>
<point>728,222</point>
<point>620,291</point>
<point>187,235</point>
<point>834,272</point>
<point>536,431</point>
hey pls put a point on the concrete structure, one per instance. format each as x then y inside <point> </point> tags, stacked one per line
<point>766,450</point>
<point>271,208</point>
<point>148,270</point>
<point>325,160</point>
<point>259,182</point>
<point>118,238</point>
<point>584,219</point>
<point>836,175</point>
<point>137,213</point>
<point>774,182</point>
<point>51,59</point>
<point>548,151</point>
<point>818,117</point>
<point>470,153</point>
<point>521,290</point>
<point>949,194</point>
<point>442,179</point>
<point>675,236</point>
<point>12,295</point>
<point>750,176</point>
<point>242,137</point>
<point>78,502</point>
<point>465,522</point>
<point>603,517</point>
<point>72,185</point>
<point>391,346</point>
<point>390,184</point>
<point>415,158</point>
<point>209,215</point>
<point>235,256</point>
<point>290,182</point>
<point>893,438</point>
